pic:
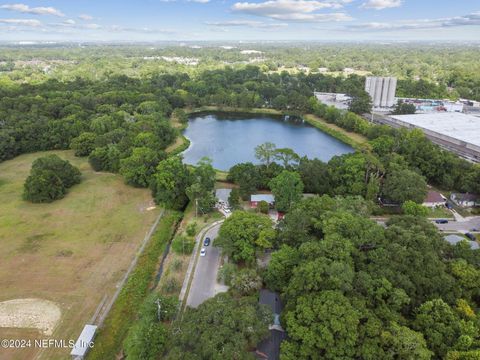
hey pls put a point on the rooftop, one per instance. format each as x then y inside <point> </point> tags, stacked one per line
<point>456,125</point>
<point>84,340</point>
<point>269,198</point>
<point>434,197</point>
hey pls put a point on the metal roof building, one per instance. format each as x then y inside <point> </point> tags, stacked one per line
<point>457,132</point>
<point>84,342</point>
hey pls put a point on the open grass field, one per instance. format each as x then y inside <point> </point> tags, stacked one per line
<point>71,252</point>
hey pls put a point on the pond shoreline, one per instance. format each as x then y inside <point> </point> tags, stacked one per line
<point>354,140</point>
<point>232,142</point>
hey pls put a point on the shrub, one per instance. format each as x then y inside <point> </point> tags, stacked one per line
<point>226,273</point>
<point>171,285</point>
<point>263,207</point>
<point>192,229</point>
<point>246,282</point>
<point>177,264</point>
<point>183,245</point>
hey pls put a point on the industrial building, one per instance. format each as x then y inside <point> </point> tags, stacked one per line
<point>456,132</point>
<point>381,90</point>
<point>340,101</point>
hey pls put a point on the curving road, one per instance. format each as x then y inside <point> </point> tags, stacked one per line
<point>204,285</point>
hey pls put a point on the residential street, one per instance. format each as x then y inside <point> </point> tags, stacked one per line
<point>204,285</point>
<point>461,225</point>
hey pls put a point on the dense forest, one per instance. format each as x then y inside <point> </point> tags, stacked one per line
<point>445,70</point>
<point>124,124</point>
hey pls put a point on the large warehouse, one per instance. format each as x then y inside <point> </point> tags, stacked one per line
<point>457,132</point>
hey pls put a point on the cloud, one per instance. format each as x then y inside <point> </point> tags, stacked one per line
<point>247,23</point>
<point>472,19</point>
<point>85,17</point>
<point>381,4</point>
<point>22,8</point>
<point>22,22</point>
<point>294,10</point>
<point>200,1</point>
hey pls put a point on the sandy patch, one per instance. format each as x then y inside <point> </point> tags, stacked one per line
<point>37,314</point>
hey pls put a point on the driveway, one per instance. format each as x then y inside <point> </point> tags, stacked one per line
<point>204,285</point>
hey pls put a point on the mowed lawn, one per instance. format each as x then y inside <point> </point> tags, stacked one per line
<point>72,251</point>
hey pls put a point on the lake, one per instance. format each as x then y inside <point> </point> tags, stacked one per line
<point>229,139</point>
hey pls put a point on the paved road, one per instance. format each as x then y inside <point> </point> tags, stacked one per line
<point>462,225</point>
<point>204,285</point>
<point>465,225</point>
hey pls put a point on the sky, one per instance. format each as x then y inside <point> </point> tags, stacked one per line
<point>245,20</point>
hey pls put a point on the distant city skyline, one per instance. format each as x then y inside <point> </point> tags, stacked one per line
<point>249,20</point>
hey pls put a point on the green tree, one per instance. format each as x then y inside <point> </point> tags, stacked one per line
<point>8,147</point>
<point>83,144</point>
<point>402,343</point>
<point>43,186</point>
<point>410,207</point>
<point>246,175</point>
<point>105,158</point>
<point>403,185</point>
<point>361,103</point>
<point>321,325</point>
<point>246,282</point>
<point>223,327</point>
<point>170,183</point>
<point>263,207</point>
<point>180,115</point>
<point>234,198</point>
<point>287,188</point>
<point>138,168</point>
<point>439,324</point>
<point>242,234</point>
<point>287,157</point>
<point>266,153</point>
<point>202,181</point>
<point>49,179</point>
<point>403,108</point>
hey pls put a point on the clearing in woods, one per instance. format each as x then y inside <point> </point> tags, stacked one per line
<point>64,257</point>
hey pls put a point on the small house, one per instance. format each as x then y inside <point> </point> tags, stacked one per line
<point>465,200</point>
<point>256,198</point>
<point>434,199</point>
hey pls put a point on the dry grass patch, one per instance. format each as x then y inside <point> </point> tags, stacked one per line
<point>73,251</point>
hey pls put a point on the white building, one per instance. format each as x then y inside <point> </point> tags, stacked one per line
<point>84,342</point>
<point>465,200</point>
<point>381,90</point>
<point>457,132</point>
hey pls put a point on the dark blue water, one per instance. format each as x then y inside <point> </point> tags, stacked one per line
<point>229,139</point>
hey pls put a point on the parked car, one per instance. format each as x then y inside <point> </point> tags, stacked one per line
<point>227,210</point>
<point>471,236</point>
<point>475,229</point>
<point>441,221</point>
<point>203,252</point>
<point>448,205</point>
<point>206,242</point>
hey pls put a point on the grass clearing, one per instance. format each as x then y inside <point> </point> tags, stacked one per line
<point>353,139</point>
<point>110,338</point>
<point>71,252</point>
